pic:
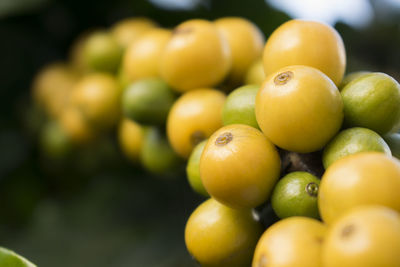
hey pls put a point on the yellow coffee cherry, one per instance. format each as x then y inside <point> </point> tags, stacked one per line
<point>76,127</point>
<point>77,57</point>
<point>366,178</point>
<point>255,74</point>
<point>130,137</point>
<point>193,118</point>
<point>299,109</point>
<point>97,96</point>
<point>196,56</point>
<point>52,88</point>
<point>295,241</point>
<point>218,236</point>
<point>246,42</point>
<point>128,30</point>
<point>142,58</point>
<point>310,43</point>
<point>367,236</point>
<point>239,166</point>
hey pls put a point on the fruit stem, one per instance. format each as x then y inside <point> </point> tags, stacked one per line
<point>310,162</point>
<point>224,139</point>
<point>348,230</point>
<point>283,78</point>
<point>312,189</point>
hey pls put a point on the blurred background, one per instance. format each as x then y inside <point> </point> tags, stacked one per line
<point>99,210</point>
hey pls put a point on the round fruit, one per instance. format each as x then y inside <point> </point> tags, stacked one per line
<point>55,143</point>
<point>372,101</point>
<point>255,74</point>
<point>156,154</point>
<point>296,195</point>
<point>239,166</point>
<point>77,57</point>
<point>52,87</point>
<point>351,77</point>
<point>299,109</point>
<point>193,169</point>
<point>351,141</point>
<point>365,178</point>
<point>97,96</point>
<point>102,52</point>
<point>367,236</point>
<point>122,78</point>
<point>197,55</point>
<point>393,140</point>
<point>76,126</point>
<point>130,137</point>
<point>216,235</point>
<point>142,57</point>
<point>193,118</point>
<point>128,30</point>
<point>295,241</point>
<point>148,101</point>
<point>11,259</point>
<point>239,106</point>
<point>246,43</point>
<point>310,43</point>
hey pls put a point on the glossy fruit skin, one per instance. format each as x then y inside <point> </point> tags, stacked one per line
<point>52,87</point>
<point>156,154</point>
<point>246,43</point>
<point>142,57</point>
<point>366,236</point>
<point>294,241</point>
<point>310,43</point>
<point>239,166</point>
<point>11,259</point>
<point>97,97</point>
<point>351,141</point>
<point>218,236</point>
<point>393,140</point>
<point>148,101</point>
<point>239,106</point>
<point>130,138</point>
<point>351,77</point>
<point>196,56</point>
<point>128,30</point>
<point>255,74</point>
<point>102,52</point>
<point>75,125</point>
<point>296,195</point>
<point>366,178</point>
<point>299,109</point>
<point>193,118</point>
<point>372,101</point>
<point>193,169</point>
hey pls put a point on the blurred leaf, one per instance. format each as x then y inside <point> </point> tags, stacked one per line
<point>13,151</point>
<point>13,7</point>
